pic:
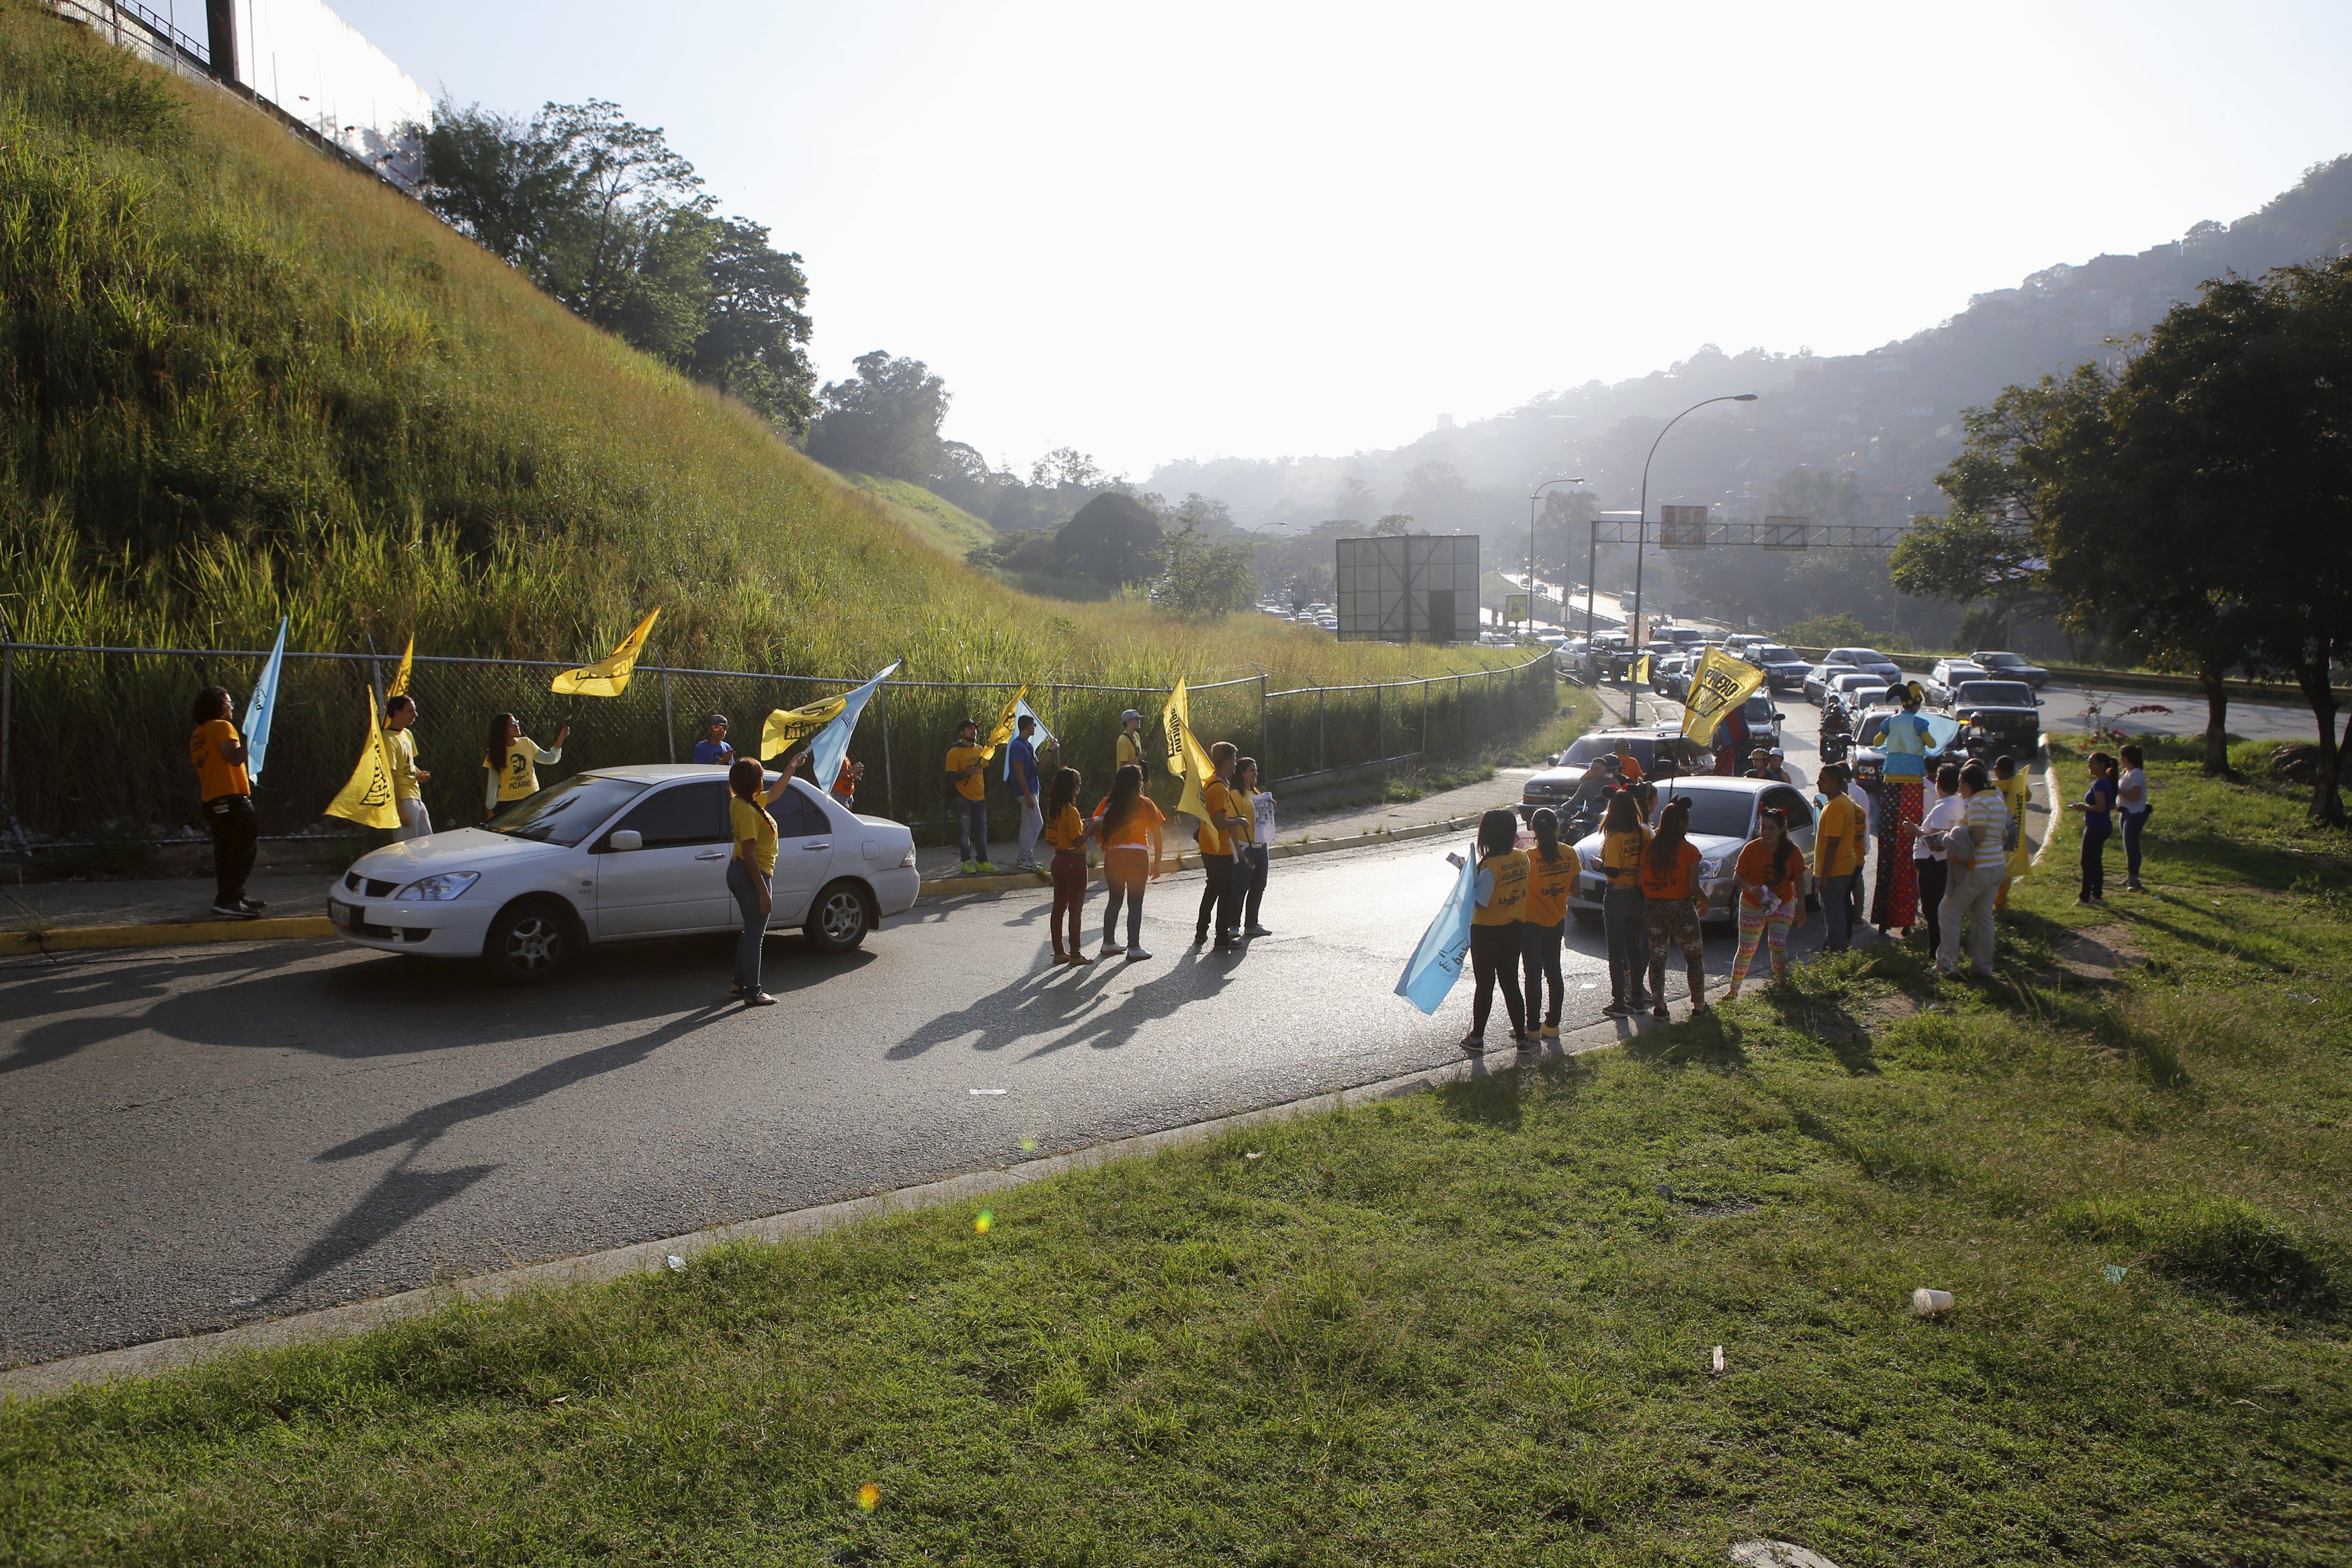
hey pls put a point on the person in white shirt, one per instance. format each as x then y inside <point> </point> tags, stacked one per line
<point>1978,866</point>
<point>1928,858</point>
<point>2131,805</point>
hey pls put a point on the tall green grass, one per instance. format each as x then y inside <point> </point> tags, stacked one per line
<point>238,380</point>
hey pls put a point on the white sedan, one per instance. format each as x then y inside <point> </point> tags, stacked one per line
<point>1724,817</point>
<point>614,855</point>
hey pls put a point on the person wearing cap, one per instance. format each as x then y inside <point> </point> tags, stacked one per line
<point>967,769</point>
<point>712,749</point>
<point>1905,744</point>
<point>1130,742</point>
<point>1605,776</point>
<point>1759,765</point>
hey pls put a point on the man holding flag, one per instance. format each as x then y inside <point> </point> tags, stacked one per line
<point>222,786</point>
<point>967,770</point>
<point>1021,770</point>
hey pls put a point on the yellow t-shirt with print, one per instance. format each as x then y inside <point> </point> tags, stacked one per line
<point>1130,749</point>
<point>1509,871</point>
<point>747,823</point>
<point>961,758</point>
<point>1218,799</point>
<point>1548,882</point>
<point>402,745</point>
<point>520,777</point>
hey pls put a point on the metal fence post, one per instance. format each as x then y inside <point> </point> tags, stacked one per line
<point>1380,723</point>
<point>669,724</point>
<point>1264,751</point>
<point>1424,716</point>
<point>1322,752</point>
<point>7,716</point>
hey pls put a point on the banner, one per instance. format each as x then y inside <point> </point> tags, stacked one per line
<point>262,706</point>
<point>1002,731</point>
<point>608,676</point>
<point>1720,684</point>
<point>1185,757</point>
<point>1042,739</point>
<point>1436,963</point>
<point>832,742</point>
<point>367,798</point>
<point>1640,673</point>
<point>399,687</point>
<point>787,727</point>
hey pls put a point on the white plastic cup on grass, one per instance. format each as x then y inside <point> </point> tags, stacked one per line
<point>1927,1303</point>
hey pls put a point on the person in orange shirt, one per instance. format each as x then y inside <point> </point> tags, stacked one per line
<point>1126,825</point>
<point>1673,901</point>
<point>845,782</point>
<point>218,752</point>
<point>1551,873</point>
<point>1221,894</point>
<point>1770,872</point>
<point>1623,836</point>
<point>1501,890</point>
<point>1066,831</point>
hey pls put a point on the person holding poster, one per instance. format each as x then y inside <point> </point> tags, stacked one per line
<point>509,761</point>
<point>1258,804</point>
<point>1500,897</point>
<point>226,795</point>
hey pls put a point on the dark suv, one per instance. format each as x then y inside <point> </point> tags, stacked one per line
<point>1997,716</point>
<point>1662,752</point>
<point>2010,667</point>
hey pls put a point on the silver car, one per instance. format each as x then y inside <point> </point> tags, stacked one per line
<point>1724,816</point>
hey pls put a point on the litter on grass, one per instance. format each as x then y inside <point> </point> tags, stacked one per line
<point>1717,1367</point>
<point>1255,1155</point>
<point>1929,1304</point>
<point>2115,1273</point>
<point>677,1264</point>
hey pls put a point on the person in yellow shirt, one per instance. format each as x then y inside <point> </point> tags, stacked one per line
<point>2017,794</point>
<point>1065,833</point>
<point>1840,839</point>
<point>407,778</point>
<point>1501,892</point>
<point>509,761</point>
<point>968,798</point>
<point>1221,894</point>
<point>217,750</point>
<point>1130,747</point>
<point>753,867</point>
<point>1551,875</point>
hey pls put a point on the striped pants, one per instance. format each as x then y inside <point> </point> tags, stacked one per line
<point>1772,928</point>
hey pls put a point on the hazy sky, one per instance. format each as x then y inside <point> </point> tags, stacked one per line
<point>1155,233</point>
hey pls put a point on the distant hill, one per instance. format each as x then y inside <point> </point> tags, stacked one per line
<point>1889,416</point>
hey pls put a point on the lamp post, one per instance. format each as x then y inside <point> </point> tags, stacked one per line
<point>1536,495</point>
<point>1641,535</point>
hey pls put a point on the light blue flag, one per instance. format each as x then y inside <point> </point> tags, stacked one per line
<point>1042,739</point>
<point>1436,963</point>
<point>831,744</point>
<point>262,706</point>
<point>1942,730</point>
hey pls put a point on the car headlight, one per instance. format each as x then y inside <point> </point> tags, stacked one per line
<point>1710,871</point>
<point>437,888</point>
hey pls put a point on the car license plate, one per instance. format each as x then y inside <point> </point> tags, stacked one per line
<point>343,913</point>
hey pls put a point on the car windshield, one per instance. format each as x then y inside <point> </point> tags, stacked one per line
<point>1863,682</point>
<point>1772,653</point>
<point>1757,710</point>
<point>1723,813</point>
<point>1994,693</point>
<point>568,813</point>
<point>1583,750</point>
<point>2000,661</point>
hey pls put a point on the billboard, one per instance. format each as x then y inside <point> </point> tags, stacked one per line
<point>1409,588</point>
<point>320,69</point>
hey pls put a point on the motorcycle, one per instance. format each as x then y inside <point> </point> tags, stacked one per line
<point>1837,740</point>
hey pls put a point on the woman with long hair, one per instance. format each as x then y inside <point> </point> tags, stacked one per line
<point>1257,805</point>
<point>509,760</point>
<point>1066,831</point>
<point>752,865</point>
<point>1770,872</point>
<point>2097,806</point>
<point>1501,890</point>
<point>1672,902</point>
<point>1126,825</point>
<point>1624,837</point>
<point>1551,875</point>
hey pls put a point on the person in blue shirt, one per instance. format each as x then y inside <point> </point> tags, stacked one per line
<point>1020,762</point>
<point>1905,744</point>
<point>2097,806</point>
<point>713,747</point>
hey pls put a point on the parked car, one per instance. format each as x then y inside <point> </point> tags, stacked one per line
<point>1724,815</point>
<point>1738,643</point>
<point>1997,716</point>
<point>2010,667</point>
<point>1550,636</point>
<point>1663,750</point>
<point>1827,678</point>
<point>1784,671</point>
<point>618,854</point>
<point>1763,721</point>
<point>1682,636</point>
<point>1671,676</point>
<point>1869,659</point>
<point>1868,757</point>
<point>1940,682</point>
<point>1497,640</point>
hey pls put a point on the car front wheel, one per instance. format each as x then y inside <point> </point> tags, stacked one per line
<point>840,918</point>
<point>532,943</point>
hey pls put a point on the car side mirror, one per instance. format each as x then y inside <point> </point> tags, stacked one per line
<point>2037,702</point>
<point>626,838</point>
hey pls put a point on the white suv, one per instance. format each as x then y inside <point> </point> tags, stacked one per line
<point>614,855</point>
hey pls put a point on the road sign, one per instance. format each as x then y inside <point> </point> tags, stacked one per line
<point>1682,528</point>
<point>1514,607</point>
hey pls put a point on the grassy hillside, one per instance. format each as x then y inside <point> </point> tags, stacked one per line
<point>936,521</point>
<point>238,380</point>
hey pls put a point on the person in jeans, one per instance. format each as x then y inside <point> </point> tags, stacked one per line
<point>1543,919</point>
<point>1126,825</point>
<point>2131,809</point>
<point>1624,837</point>
<point>751,868</point>
<point>1978,866</point>
<point>1258,805</point>
<point>1066,831</point>
<point>1672,902</point>
<point>967,769</point>
<point>1021,767</point>
<point>1933,869</point>
<point>1221,893</point>
<point>1500,890</point>
<point>2097,806</point>
<point>226,795</point>
<point>1840,840</point>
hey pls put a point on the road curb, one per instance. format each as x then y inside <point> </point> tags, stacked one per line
<point>43,1379</point>
<point>1190,860</point>
<point>72,938</point>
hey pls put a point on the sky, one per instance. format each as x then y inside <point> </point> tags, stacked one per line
<point>1274,229</point>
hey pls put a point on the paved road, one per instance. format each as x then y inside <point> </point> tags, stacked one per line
<point>195,1137</point>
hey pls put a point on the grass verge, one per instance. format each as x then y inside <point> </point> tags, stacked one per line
<point>1468,1326</point>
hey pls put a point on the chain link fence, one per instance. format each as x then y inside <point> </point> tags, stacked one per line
<point>92,740</point>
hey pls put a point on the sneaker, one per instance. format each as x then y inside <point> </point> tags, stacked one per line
<point>1659,1011</point>
<point>1060,957</point>
<point>1527,1042</point>
<point>1078,958</point>
<point>759,999</point>
<point>1551,1031</point>
<point>1474,1045</point>
<point>1137,954</point>
<point>1699,1008</point>
<point>735,991</point>
<point>1615,1009</point>
<point>2131,886</point>
<point>987,868</point>
<point>228,911</point>
<point>255,905</point>
<point>971,867</point>
<point>1199,936</point>
<point>1732,995</point>
<point>1257,931</point>
<point>1229,944</point>
<point>1112,949</point>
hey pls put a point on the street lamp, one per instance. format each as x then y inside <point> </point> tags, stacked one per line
<point>1532,499</point>
<point>1640,534</point>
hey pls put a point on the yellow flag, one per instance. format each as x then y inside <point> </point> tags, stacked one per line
<point>367,798</point>
<point>787,727</point>
<point>1720,684</point>
<point>608,676</point>
<point>1003,730</point>
<point>1185,755</point>
<point>399,686</point>
<point>1641,674</point>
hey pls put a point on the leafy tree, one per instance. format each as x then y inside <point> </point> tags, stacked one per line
<point>754,325</point>
<point>1113,540</point>
<point>1392,523</point>
<point>885,420</point>
<point>1204,576</point>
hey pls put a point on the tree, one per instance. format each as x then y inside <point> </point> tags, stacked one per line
<point>754,330</point>
<point>1202,575</point>
<point>1391,524</point>
<point>886,421</point>
<point>1113,539</point>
